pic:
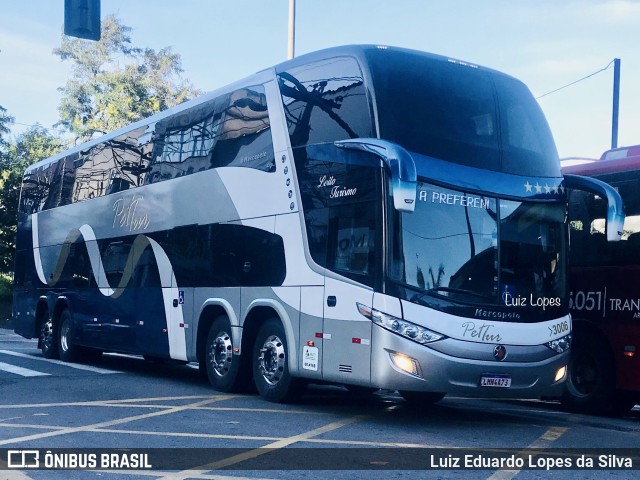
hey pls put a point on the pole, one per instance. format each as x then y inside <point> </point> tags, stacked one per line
<point>616,103</point>
<point>292,29</point>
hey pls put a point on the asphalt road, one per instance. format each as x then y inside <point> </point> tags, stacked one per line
<point>127,403</point>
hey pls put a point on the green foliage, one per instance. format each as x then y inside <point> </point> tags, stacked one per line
<point>115,83</point>
<point>6,290</point>
<point>5,121</point>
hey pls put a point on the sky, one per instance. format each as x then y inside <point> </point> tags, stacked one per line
<point>545,43</point>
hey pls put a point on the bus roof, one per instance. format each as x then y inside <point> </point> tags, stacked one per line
<point>615,160</point>
<point>357,51</point>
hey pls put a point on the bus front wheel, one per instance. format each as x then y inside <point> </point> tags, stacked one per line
<point>590,384</point>
<point>221,365</point>
<point>270,365</point>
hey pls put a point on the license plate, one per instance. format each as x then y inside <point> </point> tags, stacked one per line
<point>499,381</point>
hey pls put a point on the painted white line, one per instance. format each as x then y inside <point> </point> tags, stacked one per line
<point>282,443</point>
<point>12,474</point>
<point>104,403</point>
<point>110,423</point>
<point>23,372</point>
<point>60,362</point>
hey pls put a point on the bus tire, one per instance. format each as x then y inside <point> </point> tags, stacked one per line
<point>67,351</point>
<point>222,367</point>
<point>417,399</point>
<point>48,339</point>
<point>590,384</point>
<point>270,365</point>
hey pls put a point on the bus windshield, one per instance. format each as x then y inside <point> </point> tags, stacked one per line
<point>461,113</point>
<point>471,249</point>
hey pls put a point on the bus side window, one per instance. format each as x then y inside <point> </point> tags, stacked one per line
<point>76,272</point>
<point>230,130</point>
<point>114,258</point>
<point>246,256</point>
<point>325,101</point>
<point>351,242</point>
<point>146,274</point>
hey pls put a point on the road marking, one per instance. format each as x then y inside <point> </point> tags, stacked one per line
<point>103,402</point>
<point>111,423</point>
<point>266,439</point>
<point>362,443</point>
<point>202,476</point>
<point>12,334</point>
<point>23,372</point>
<point>544,441</point>
<point>138,403</point>
<point>60,362</point>
<point>256,452</point>
<point>30,425</point>
<point>12,474</point>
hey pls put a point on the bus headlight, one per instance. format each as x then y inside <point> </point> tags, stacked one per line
<point>401,327</point>
<point>560,345</point>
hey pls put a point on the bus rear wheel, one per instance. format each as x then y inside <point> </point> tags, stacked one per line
<point>67,351</point>
<point>47,340</point>
<point>270,365</point>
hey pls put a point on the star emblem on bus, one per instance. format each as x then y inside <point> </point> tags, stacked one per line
<point>548,189</point>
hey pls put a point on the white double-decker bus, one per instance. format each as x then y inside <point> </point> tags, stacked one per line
<point>367,216</point>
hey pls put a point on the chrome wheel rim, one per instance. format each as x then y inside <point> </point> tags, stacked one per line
<point>65,328</point>
<point>221,354</point>
<point>46,335</point>
<point>272,360</point>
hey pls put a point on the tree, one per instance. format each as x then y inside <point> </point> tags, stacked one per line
<point>33,145</point>
<point>115,83</point>
<point>5,121</point>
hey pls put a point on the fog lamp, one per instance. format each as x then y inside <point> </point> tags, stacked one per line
<point>405,363</point>
<point>560,374</point>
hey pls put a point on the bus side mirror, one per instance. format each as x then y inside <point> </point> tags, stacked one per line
<point>398,161</point>
<point>615,209</point>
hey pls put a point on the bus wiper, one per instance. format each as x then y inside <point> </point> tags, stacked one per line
<point>444,291</point>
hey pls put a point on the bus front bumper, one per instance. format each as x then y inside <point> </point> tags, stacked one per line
<point>401,364</point>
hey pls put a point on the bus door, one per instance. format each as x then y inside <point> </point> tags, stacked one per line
<point>347,333</point>
<point>342,199</point>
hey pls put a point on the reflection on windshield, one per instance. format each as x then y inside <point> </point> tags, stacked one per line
<point>474,249</point>
<point>530,259</point>
<point>469,116</point>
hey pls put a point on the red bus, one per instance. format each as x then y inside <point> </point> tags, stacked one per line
<point>604,279</point>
